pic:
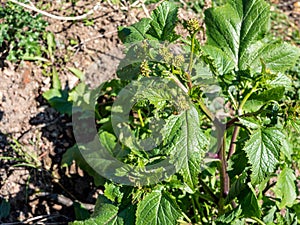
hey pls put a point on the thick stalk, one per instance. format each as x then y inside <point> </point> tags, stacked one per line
<point>224,178</point>
<point>236,130</point>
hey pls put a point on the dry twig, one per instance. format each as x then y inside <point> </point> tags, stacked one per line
<point>70,18</point>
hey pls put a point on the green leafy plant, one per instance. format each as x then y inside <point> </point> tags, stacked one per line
<point>21,34</point>
<point>234,166</point>
<point>62,99</point>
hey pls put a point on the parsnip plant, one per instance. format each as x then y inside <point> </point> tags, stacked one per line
<point>217,118</point>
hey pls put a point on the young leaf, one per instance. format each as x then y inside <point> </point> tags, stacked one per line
<point>58,99</point>
<point>231,216</point>
<point>56,84</point>
<point>79,74</point>
<point>157,208</point>
<point>112,192</point>
<point>263,150</point>
<point>255,102</point>
<point>285,188</point>
<point>164,19</point>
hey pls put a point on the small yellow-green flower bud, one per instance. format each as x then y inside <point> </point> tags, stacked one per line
<point>178,61</point>
<point>166,54</point>
<point>144,68</point>
<point>193,25</point>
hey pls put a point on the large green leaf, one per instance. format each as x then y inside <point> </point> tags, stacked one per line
<point>285,188</point>
<point>238,28</point>
<point>189,147</point>
<point>164,19</point>
<point>278,57</point>
<point>263,151</point>
<point>235,25</point>
<point>159,27</point>
<point>157,208</point>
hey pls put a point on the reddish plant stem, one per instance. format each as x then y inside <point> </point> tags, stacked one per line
<point>223,169</point>
<point>233,141</point>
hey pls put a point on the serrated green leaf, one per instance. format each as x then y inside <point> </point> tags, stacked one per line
<point>223,63</point>
<point>281,80</point>
<point>135,32</point>
<point>238,29</point>
<point>249,122</point>
<point>234,26</point>
<point>263,151</point>
<point>274,94</point>
<point>253,105</point>
<point>285,188</point>
<point>256,101</point>
<point>231,216</point>
<point>269,216</point>
<point>105,213</point>
<point>157,208</point>
<point>164,19</point>
<point>112,192</point>
<point>190,146</point>
<point>278,57</point>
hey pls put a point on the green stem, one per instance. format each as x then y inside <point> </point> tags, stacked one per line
<point>206,110</point>
<point>196,213</point>
<point>186,217</point>
<point>236,130</point>
<point>258,220</point>
<point>190,67</point>
<point>240,110</point>
<point>140,117</point>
